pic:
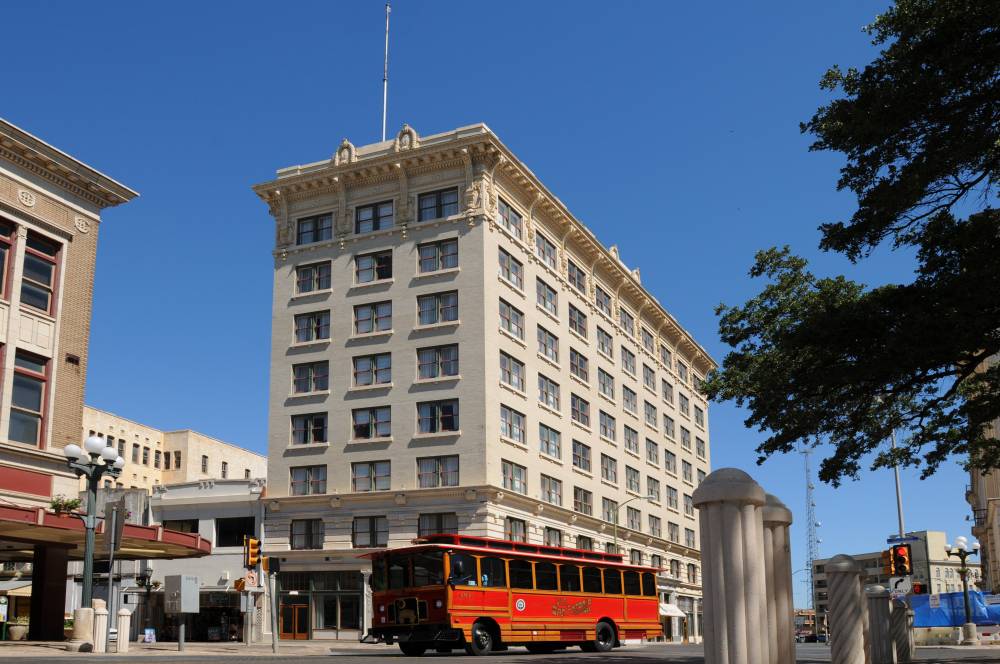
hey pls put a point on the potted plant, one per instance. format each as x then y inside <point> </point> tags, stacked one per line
<point>68,628</point>
<point>62,505</point>
<point>17,629</point>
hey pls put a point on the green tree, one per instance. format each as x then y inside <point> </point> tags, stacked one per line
<point>832,359</point>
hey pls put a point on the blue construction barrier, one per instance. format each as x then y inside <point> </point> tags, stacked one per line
<point>951,612</point>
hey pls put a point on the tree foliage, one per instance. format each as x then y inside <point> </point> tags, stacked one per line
<point>832,359</point>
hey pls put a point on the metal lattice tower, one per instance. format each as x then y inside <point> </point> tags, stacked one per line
<point>812,539</point>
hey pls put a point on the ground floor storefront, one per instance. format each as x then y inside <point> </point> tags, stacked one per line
<point>219,618</point>
<point>323,604</point>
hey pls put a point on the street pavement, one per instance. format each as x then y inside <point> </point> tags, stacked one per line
<point>350,653</point>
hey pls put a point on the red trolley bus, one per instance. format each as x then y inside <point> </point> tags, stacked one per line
<point>454,591</point>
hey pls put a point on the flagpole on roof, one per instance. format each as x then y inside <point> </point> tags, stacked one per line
<point>385,70</point>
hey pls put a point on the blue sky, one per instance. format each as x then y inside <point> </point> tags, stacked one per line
<point>670,128</point>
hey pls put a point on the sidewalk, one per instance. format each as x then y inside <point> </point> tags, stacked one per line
<point>54,648</point>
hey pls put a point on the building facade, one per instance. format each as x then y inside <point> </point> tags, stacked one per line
<point>983,496</point>
<point>931,567</point>
<point>453,351</point>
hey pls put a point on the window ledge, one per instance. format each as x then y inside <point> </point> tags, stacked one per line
<point>513,337</point>
<point>548,360</point>
<point>632,492</point>
<point>437,273</point>
<point>437,434</point>
<point>311,344</point>
<point>307,446</point>
<point>632,453</point>
<point>438,379</point>
<point>579,336</point>
<point>313,293</point>
<point>437,326</point>
<point>634,414</point>
<point>582,426</point>
<point>511,285</point>
<point>512,390</point>
<point>548,313</point>
<point>604,481</point>
<point>550,459</point>
<point>610,400</point>
<point>610,441</point>
<point>372,335</point>
<point>363,441</point>
<point>578,379</point>
<point>371,284</point>
<point>649,389</point>
<point>650,463</point>
<point>369,388</point>
<point>609,358</point>
<point>514,443</point>
<point>303,395</point>
<point>581,471</point>
<point>549,409</point>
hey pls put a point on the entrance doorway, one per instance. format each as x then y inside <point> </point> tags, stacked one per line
<point>294,621</point>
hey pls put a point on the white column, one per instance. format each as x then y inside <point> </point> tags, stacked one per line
<point>732,545</point>
<point>367,610</point>
<point>675,622</point>
<point>881,647</point>
<point>124,629</point>
<point>83,631</point>
<point>901,618</point>
<point>778,562</point>
<point>100,627</point>
<point>847,643</point>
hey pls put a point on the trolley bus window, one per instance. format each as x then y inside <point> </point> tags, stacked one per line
<point>648,585</point>
<point>569,578</point>
<point>463,570</point>
<point>378,573</point>
<point>591,580</point>
<point>612,582</point>
<point>428,568</point>
<point>632,586</point>
<point>520,574</point>
<point>545,576</point>
<point>492,573</point>
<point>399,572</point>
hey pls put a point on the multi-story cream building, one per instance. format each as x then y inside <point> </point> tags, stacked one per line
<point>983,495</point>
<point>155,458</point>
<point>452,350</point>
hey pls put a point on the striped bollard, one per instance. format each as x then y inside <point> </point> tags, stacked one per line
<point>778,564</point>
<point>847,611</point>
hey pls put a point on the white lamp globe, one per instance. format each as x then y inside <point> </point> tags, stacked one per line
<point>119,463</point>
<point>94,445</point>
<point>72,451</point>
<point>975,547</point>
<point>947,548</point>
<point>961,539</point>
<point>109,454</point>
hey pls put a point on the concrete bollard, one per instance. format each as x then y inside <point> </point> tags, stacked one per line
<point>124,629</point>
<point>881,645</point>
<point>901,620</point>
<point>100,629</point>
<point>847,628</point>
<point>83,631</point>
<point>732,542</point>
<point>778,565</point>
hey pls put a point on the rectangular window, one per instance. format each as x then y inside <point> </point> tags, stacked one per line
<point>6,239</point>
<point>437,204</point>
<point>431,524</point>
<point>436,256</point>
<point>515,477</point>
<point>580,410</point>
<point>628,361</point>
<point>177,456</point>
<point>632,480</point>
<point>512,319</point>
<point>307,480</point>
<point>655,559</point>
<point>688,505</point>
<point>579,366</point>
<point>437,362</point>
<point>157,457</point>
<point>666,356</point>
<point>511,372</point>
<point>649,377</point>
<point>437,308</point>
<point>313,277</point>
<point>699,416</point>
<point>553,537</point>
<point>686,471</point>
<point>136,451</point>
<point>652,452</point>
<point>313,326</point>
<point>685,438</point>
<point>548,344</point>
<point>609,512</point>
<point>701,476</point>
<point>673,534</point>
<point>437,416</point>
<point>437,471</point>
<point>509,218</point>
<point>631,440</point>
<point>605,344</point>
<point>230,531</point>
<point>668,426</point>
<point>373,369</point>
<point>602,299</point>
<point>583,502</point>
<point>548,392</point>
<point>204,464</point>
<point>682,372</point>
<point>653,488</point>
<point>634,557</point>
<point>699,448</point>
<point>629,401</point>
<point>145,456</point>
<point>551,490</point>
<point>371,422</point>
<point>683,403</point>
<point>578,321</point>
<point>224,470</point>
<point>370,532</point>
<point>647,340</point>
<point>511,270</point>
<point>577,278</point>
<point>373,317</point>
<point>375,217</point>
<point>549,441</point>
<point>633,519</point>
<point>28,399</point>
<point>371,476</point>
<point>667,390</point>
<point>546,297</point>
<point>609,469</point>
<point>373,267</point>
<point>314,229</point>
<point>609,427</point>
<point>671,497</point>
<point>310,428</point>
<point>512,424</point>
<point>581,455</point>
<point>546,250</point>
<point>310,377</point>
<point>515,530</point>
<point>627,321</point>
<point>585,543</point>
<point>689,541</point>
<point>605,383</point>
<point>652,418</point>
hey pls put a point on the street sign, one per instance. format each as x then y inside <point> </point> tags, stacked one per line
<point>991,600</point>
<point>934,601</point>
<point>900,585</point>
<point>181,593</point>
<point>113,537</point>
<point>901,540</point>
<point>250,579</point>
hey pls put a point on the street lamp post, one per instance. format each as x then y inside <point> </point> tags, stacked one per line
<point>93,461</point>
<point>961,551</point>
<point>617,512</point>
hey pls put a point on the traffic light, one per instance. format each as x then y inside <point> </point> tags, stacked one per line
<point>901,560</point>
<point>270,564</point>
<point>887,567</point>
<point>919,588</point>
<point>251,552</point>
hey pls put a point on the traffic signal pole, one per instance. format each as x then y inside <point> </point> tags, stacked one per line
<point>899,490</point>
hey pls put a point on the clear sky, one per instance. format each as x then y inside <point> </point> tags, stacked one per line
<point>670,128</point>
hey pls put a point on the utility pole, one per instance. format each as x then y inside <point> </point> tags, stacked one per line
<point>385,70</point>
<point>899,490</point>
